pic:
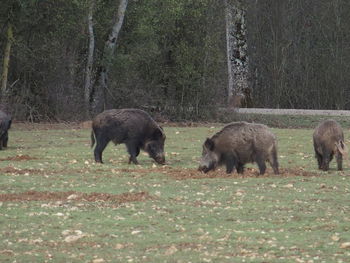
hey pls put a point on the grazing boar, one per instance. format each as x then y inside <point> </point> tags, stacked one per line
<point>328,139</point>
<point>133,127</point>
<point>239,143</point>
<point>5,124</point>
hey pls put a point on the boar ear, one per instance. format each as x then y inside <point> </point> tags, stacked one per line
<point>209,144</point>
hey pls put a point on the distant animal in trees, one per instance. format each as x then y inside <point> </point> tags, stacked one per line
<point>242,99</point>
<point>236,101</point>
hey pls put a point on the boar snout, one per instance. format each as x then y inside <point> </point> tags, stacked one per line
<point>203,169</point>
<point>160,159</point>
<point>206,167</point>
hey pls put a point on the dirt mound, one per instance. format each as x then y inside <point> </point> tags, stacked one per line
<point>183,174</point>
<point>296,172</point>
<point>175,173</point>
<point>191,173</point>
<point>18,158</point>
<point>77,196</point>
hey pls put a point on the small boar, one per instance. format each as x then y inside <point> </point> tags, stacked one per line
<point>133,127</point>
<point>328,139</point>
<point>5,124</point>
<point>239,143</point>
<point>236,101</point>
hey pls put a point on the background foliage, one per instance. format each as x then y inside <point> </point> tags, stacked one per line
<point>171,55</point>
<point>299,53</point>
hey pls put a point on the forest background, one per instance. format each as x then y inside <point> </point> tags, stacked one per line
<point>68,60</point>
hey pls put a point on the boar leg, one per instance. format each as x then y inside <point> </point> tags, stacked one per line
<point>327,158</point>
<point>134,151</point>
<point>262,167</point>
<point>319,160</point>
<point>261,164</point>
<point>275,168</point>
<point>101,144</point>
<point>240,168</point>
<point>339,158</point>
<point>5,139</point>
<point>325,162</point>
<point>274,162</point>
<point>230,163</point>
<point>325,165</point>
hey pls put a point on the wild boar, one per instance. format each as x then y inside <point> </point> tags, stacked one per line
<point>328,139</point>
<point>133,127</point>
<point>239,143</point>
<point>5,124</point>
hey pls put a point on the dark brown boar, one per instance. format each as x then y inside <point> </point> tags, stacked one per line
<point>133,127</point>
<point>328,141</point>
<point>239,143</point>
<point>5,124</point>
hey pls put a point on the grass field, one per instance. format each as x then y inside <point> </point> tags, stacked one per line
<point>57,205</point>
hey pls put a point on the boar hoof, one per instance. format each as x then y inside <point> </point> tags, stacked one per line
<point>133,160</point>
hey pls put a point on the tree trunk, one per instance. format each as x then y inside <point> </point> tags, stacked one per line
<point>228,20</point>
<point>237,57</point>
<point>277,61</point>
<point>90,61</point>
<point>6,64</point>
<point>99,98</point>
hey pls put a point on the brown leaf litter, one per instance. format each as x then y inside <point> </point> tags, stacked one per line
<point>191,173</point>
<point>77,196</point>
<point>18,158</point>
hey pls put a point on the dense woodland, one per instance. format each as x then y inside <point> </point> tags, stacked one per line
<point>68,60</point>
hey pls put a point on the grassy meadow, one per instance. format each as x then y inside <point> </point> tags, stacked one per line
<point>57,205</point>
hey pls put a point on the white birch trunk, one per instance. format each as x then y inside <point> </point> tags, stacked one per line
<point>119,19</point>
<point>108,53</point>
<point>90,60</point>
<point>228,20</point>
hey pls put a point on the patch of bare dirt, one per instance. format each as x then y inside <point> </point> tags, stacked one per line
<point>297,172</point>
<point>13,170</point>
<point>191,173</point>
<point>18,158</point>
<point>77,196</point>
<point>50,172</point>
<point>183,174</point>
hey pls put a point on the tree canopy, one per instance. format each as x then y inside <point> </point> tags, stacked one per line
<point>171,55</point>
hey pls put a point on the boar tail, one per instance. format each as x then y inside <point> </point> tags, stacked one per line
<point>92,138</point>
<point>9,124</point>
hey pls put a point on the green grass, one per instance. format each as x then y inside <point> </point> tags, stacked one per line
<point>270,218</point>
